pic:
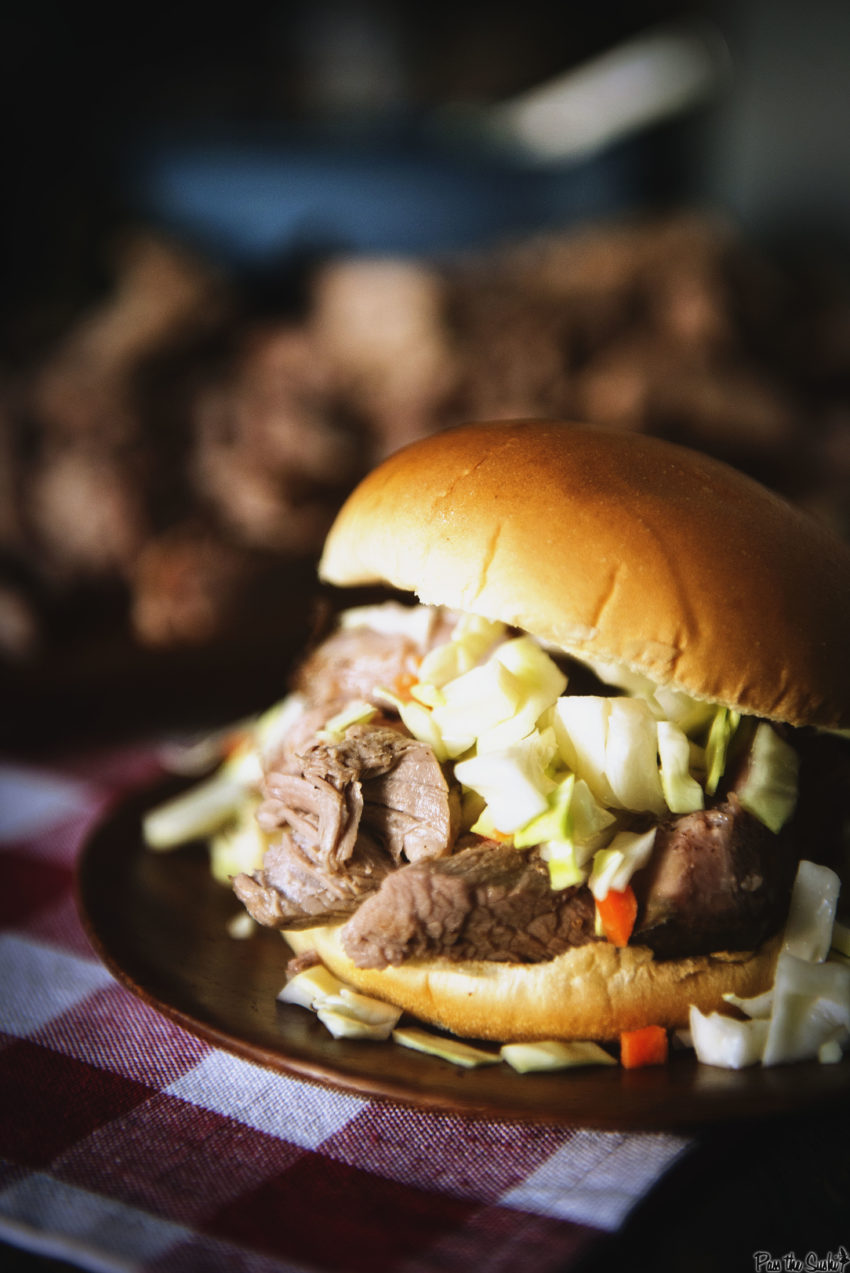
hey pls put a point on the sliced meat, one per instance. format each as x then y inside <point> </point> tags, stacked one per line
<point>319,813</point>
<point>356,809</point>
<point>410,807</point>
<point>394,783</point>
<point>485,902</point>
<point>353,661</point>
<point>302,963</point>
<point>284,755</point>
<point>717,880</point>
<point>294,890</point>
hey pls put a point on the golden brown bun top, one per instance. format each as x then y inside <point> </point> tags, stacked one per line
<point>615,547</point>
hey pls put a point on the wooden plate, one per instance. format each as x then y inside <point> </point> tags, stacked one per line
<point>158,921</point>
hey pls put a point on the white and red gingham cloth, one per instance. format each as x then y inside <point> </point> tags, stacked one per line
<point>128,1144</point>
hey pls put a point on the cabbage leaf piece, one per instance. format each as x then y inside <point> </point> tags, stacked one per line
<point>614,867</point>
<point>806,1012</point>
<point>612,744</point>
<point>571,829</point>
<point>682,792</point>
<point>554,1054</point>
<point>769,789</point>
<point>513,782</point>
<point>721,732</point>
<point>471,639</point>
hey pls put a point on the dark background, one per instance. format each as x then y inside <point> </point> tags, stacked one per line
<point>85,88</point>
<point>265,136</point>
<point>88,92</point>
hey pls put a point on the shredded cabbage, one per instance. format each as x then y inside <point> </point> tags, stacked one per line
<point>565,869</point>
<point>757,1006</point>
<point>541,683</point>
<point>570,830</point>
<point>272,727</point>
<point>631,756</point>
<point>811,914</point>
<point>841,939</point>
<point>197,813</point>
<point>690,714</point>
<point>447,1049</point>
<point>418,720</point>
<point>581,728</point>
<point>769,790</point>
<point>612,743</point>
<point>208,807</point>
<point>357,712</point>
<point>393,619</point>
<point>470,641</point>
<point>483,693</point>
<point>555,823</point>
<point>721,732</point>
<point>513,782</point>
<point>476,702</point>
<point>554,1054</point>
<point>725,1041</point>
<point>239,846</point>
<point>362,1007</point>
<point>592,826</point>
<point>682,792</point>
<point>310,986</point>
<point>343,1025</point>
<point>346,1013</point>
<point>614,867</point>
<point>666,703</point>
<point>427,695</point>
<point>806,1012</point>
<point>496,703</point>
<point>811,1006</point>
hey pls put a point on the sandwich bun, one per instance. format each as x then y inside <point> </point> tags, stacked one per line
<point>591,992</point>
<point>618,549</point>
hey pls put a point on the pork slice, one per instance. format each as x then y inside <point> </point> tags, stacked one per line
<point>302,963</point>
<point>352,662</point>
<point>394,783</point>
<point>316,810</point>
<point>411,808</point>
<point>295,890</point>
<point>487,901</point>
<point>717,880</point>
<point>284,756</point>
<point>354,811</point>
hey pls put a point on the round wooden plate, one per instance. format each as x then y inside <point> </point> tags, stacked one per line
<point>158,921</point>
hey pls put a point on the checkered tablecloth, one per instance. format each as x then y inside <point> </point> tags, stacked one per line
<point>126,1143</point>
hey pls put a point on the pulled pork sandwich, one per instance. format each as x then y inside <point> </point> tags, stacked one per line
<point>563,793</point>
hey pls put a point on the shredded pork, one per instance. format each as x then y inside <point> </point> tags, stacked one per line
<point>364,828</point>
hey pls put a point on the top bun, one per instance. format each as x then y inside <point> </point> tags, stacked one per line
<point>617,548</point>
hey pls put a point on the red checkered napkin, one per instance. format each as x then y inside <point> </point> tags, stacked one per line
<point>128,1144</point>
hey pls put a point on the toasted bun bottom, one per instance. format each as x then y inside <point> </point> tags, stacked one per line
<point>590,992</point>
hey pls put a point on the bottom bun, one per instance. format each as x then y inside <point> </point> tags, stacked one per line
<point>590,992</point>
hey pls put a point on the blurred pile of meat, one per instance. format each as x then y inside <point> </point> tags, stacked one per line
<point>181,446</point>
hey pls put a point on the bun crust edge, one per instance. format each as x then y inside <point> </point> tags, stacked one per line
<point>615,547</point>
<point>591,992</point>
